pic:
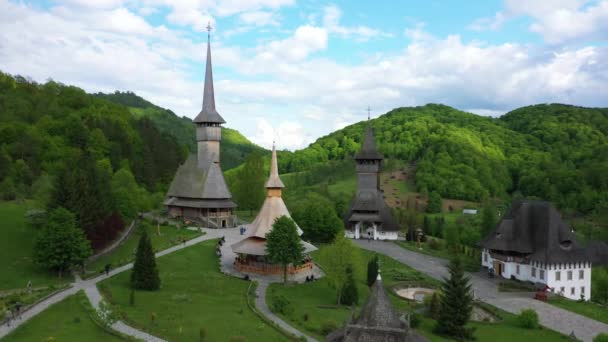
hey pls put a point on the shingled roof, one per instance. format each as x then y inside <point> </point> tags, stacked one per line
<point>209,114</point>
<point>377,322</point>
<point>192,182</point>
<point>368,149</point>
<point>536,230</point>
<point>369,206</point>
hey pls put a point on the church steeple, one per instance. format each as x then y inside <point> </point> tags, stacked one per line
<point>209,114</point>
<point>368,149</point>
<point>208,122</point>
<point>274,183</point>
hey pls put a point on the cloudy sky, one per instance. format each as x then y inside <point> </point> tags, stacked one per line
<point>295,70</point>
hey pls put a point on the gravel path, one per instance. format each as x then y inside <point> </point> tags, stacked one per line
<point>260,303</point>
<point>486,290</point>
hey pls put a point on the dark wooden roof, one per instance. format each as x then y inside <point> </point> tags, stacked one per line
<point>377,322</point>
<point>368,149</point>
<point>209,114</point>
<point>369,206</point>
<point>190,181</point>
<point>536,230</point>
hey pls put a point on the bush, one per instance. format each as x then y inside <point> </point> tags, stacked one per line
<point>281,305</point>
<point>238,339</point>
<point>202,334</point>
<point>601,338</point>
<point>328,326</point>
<point>528,319</point>
<point>434,244</point>
<point>415,320</point>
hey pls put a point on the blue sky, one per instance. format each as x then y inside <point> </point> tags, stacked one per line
<point>292,71</point>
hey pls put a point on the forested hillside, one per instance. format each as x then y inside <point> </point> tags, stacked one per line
<point>103,157</point>
<point>555,152</point>
<point>234,148</point>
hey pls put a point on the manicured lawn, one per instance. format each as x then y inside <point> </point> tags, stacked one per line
<point>313,304</point>
<point>65,321</point>
<point>194,295</point>
<point>17,248</point>
<point>124,254</point>
<point>588,309</point>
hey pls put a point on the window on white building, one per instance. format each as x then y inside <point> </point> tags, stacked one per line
<point>533,271</point>
<point>485,257</point>
<point>582,290</point>
<point>558,276</point>
<point>572,291</point>
<point>542,274</point>
<point>569,275</point>
<point>562,290</point>
<point>581,274</point>
<point>517,269</point>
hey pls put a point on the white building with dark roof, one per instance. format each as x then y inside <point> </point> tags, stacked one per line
<point>532,243</point>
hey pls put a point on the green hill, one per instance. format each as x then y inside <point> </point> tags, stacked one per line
<point>554,152</point>
<point>234,148</point>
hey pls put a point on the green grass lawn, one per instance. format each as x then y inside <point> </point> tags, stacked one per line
<point>124,254</point>
<point>17,248</point>
<point>65,321</point>
<point>246,215</point>
<point>588,309</point>
<point>313,304</point>
<point>194,295</point>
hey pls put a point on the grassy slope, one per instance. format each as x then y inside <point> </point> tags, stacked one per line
<point>125,253</point>
<point>65,321</point>
<point>588,309</point>
<point>194,295</point>
<point>16,248</point>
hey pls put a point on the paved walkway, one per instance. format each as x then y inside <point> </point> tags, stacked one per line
<point>92,292</point>
<point>260,303</point>
<point>485,289</point>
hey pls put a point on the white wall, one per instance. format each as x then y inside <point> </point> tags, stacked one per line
<point>549,276</point>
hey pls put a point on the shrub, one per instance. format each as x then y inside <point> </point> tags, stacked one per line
<point>603,337</point>
<point>328,326</point>
<point>434,244</point>
<point>238,339</point>
<point>202,334</point>
<point>306,316</point>
<point>281,305</point>
<point>415,320</point>
<point>528,319</point>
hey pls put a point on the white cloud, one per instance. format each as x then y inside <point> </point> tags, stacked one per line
<point>557,21</point>
<point>287,134</point>
<point>259,18</point>
<point>331,21</point>
<point>305,40</point>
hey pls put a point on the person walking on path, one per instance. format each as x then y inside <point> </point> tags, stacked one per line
<point>9,316</point>
<point>29,287</point>
<point>18,310</point>
<point>107,269</point>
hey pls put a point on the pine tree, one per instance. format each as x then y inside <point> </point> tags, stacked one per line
<point>456,304</point>
<point>434,306</point>
<point>372,270</point>
<point>283,245</point>
<point>145,274</point>
<point>350,296</point>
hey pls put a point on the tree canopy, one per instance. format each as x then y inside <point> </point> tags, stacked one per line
<point>283,245</point>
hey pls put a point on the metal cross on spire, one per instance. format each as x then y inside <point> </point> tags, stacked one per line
<point>209,30</point>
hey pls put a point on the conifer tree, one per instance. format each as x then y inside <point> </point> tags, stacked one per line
<point>350,296</point>
<point>456,304</point>
<point>372,270</point>
<point>145,274</point>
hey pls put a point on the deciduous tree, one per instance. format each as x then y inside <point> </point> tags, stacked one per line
<point>283,245</point>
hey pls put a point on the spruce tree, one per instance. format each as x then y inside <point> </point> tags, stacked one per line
<point>283,245</point>
<point>372,270</point>
<point>456,304</point>
<point>145,274</point>
<point>350,295</point>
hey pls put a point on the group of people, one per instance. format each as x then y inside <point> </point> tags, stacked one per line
<point>310,278</point>
<point>14,314</point>
<point>220,243</point>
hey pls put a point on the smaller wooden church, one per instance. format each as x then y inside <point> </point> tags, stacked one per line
<point>377,322</point>
<point>532,243</point>
<point>369,217</point>
<point>251,250</point>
